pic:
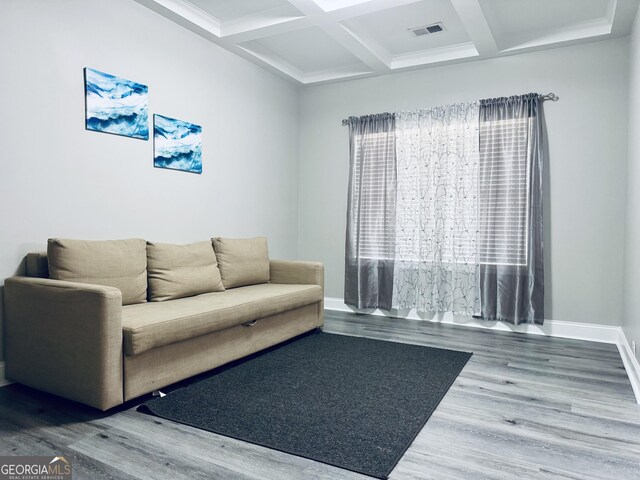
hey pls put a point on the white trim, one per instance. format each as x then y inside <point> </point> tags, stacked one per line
<point>552,328</point>
<point>335,19</point>
<point>630,364</point>
<point>3,380</point>
<point>590,332</point>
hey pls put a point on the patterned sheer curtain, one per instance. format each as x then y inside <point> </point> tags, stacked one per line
<point>435,268</point>
<point>370,244</point>
<point>511,269</point>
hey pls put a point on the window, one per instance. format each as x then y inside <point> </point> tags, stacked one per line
<point>503,192</point>
<point>487,190</point>
<point>373,205</point>
<point>445,210</point>
<point>437,192</point>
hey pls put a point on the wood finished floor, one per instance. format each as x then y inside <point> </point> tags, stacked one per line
<point>524,407</point>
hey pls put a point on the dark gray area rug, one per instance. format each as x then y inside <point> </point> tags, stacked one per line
<point>351,402</point>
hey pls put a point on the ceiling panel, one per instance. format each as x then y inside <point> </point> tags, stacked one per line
<point>390,28</point>
<point>308,50</point>
<point>520,21</point>
<point>317,41</point>
<point>229,10</point>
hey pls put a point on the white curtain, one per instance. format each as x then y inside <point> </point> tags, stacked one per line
<point>435,266</point>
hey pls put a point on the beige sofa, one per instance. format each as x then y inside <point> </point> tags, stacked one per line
<point>78,340</point>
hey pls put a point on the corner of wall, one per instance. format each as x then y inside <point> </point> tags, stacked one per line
<point>298,170</point>
<point>631,365</point>
<point>631,251</point>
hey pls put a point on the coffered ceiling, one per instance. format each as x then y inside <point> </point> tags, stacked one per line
<point>317,41</point>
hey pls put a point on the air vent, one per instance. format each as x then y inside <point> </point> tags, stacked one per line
<point>427,29</point>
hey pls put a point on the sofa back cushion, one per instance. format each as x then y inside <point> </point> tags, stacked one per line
<point>242,261</point>
<point>37,265</point>
<point>177,271</point>
<point>114,263</point>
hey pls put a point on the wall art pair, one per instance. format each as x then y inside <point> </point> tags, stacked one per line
<point>119,106</point>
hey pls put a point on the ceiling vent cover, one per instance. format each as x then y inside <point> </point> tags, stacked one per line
<point>427,29</point>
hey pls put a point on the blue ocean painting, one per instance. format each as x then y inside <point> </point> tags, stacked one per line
<point>177,144</point>
<point>115,105</point>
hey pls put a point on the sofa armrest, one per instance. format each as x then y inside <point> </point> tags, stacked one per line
<point>297,272</point>
<point>65,338</point>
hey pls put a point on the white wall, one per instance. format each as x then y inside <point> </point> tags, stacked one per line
<point>587,130</point>
<point>631,292</point>
<point>56,179</point>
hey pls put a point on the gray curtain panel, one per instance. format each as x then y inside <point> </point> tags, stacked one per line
<point>371,210</point>
<point>510,255</point>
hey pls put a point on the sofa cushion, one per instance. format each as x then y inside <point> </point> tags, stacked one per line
<point>37,265</point>
<point>177,271</point>
<point>155,324</point>
<point>242,261</point>
<point>113,263</point>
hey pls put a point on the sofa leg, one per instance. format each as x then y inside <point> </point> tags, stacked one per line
<point>158,393</point>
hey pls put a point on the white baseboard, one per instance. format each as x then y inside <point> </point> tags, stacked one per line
<point>3,379</point>
<point>631,364</point>
<point>590,332</point>
<point>552,328</point>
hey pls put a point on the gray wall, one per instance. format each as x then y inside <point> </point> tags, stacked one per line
<point>585,197</point>
<point>631,313</point>
<point>57,179</point>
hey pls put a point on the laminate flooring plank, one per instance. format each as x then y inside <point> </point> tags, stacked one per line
<point>524,407</point>
<point>617,411</point>
<point>36,441</point>
<point>147,460</point>
<point>603,437</point>
<point>251,460</point>
<point>522,399</point>
<point>521,448</point>
<point>558,381</point>
<point>453,462</point>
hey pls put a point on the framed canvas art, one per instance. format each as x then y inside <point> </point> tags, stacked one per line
<point>115,105</point>
<point>177,144</point>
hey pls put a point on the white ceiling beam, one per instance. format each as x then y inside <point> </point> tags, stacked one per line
<point>211,32</point>
<point>564,36</point>
<point>617,21</point>
<point>369,42</point>
<point>373,56</point>
<point>329,5</point>
<point>332,17</point>
<point>475,23</point>
<point>253,29</point>
<point>308,7</point>
<point>622,14</point>
<point>368,52</point>
<point>267,56</point>
<point>366,7</point>
<point>181,10</point>
<point>335,74</point>
<point>434,55</point>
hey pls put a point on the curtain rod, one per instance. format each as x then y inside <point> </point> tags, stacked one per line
<point>549,96</point>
